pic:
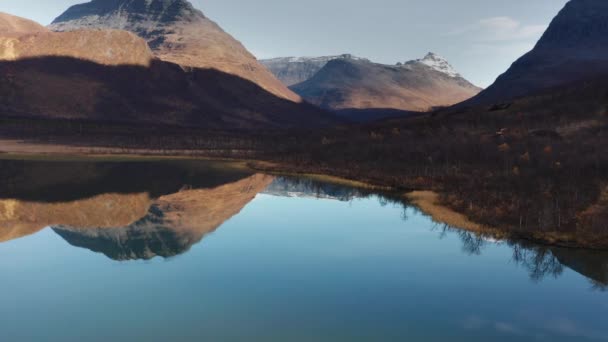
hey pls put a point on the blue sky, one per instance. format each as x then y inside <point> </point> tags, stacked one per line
<point>481,38</point>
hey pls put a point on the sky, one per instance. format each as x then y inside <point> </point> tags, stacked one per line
<point>480,38</point>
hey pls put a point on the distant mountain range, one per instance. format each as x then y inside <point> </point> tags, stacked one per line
<point>573,49</point>
<point>346,83</point>
<point>294,70</point>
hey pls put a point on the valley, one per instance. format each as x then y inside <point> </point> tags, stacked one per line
<point>528,162</point>
<point>175,170</point>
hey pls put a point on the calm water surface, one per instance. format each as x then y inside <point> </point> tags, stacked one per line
<point>191,251</point>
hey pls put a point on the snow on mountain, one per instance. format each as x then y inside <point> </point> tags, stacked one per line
<point>321,59</point>
<point>437,63</point>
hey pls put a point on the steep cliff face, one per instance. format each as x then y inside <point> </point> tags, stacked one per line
<point>574,48</point>
<point>176,32</point>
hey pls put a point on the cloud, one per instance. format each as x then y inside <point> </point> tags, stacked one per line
<point>494,44</point>
<point>507,328</point>
<point>475,322</point>
<point>569,328</point>
<point>499,29</point>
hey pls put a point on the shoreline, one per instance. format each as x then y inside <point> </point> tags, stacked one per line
<point>426,200</point>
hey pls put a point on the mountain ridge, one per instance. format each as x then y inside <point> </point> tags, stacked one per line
<point>356,84</point>
<point>294,70</point>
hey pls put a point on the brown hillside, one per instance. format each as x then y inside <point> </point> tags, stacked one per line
<point>178,33</point>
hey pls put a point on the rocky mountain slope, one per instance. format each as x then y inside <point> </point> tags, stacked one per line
<point>294,70</point>
<point>177,32</point>
<point>112,76</point>
<point>574,48</point>
<point>354,83</point>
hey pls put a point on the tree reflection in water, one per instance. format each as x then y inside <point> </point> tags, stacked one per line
<point>539,261</point>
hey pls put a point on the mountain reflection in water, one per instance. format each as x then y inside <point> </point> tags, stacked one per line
<point>85,194</point>
<point>147,209</point>
<point>173,223</point>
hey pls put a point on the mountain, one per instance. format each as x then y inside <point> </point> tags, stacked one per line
<point>108,195</point>
<point>172,225</point>
<point>358,84</point>
<point>112,76</point>
<point>294,70</point>
<point>307,188</point>
<point>177,32</point>
<point>18,26</point>
<point>574,48</point>
<point>24,39</point>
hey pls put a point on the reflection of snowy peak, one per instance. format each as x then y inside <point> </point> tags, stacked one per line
<point>302,188</point>
<point>437,63</point>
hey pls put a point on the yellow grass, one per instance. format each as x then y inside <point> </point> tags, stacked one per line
<point>428,202</point>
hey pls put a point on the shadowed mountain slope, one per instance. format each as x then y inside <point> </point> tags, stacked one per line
<point>111,76</point>
<point>161,94</point>
<point>574,48</point>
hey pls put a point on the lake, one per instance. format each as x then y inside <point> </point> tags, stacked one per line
<point>183,250</point>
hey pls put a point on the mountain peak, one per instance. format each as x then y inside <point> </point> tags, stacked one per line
<point>580,24</point>
<point>438,63</point>
<point>156,11</point>
<point>574,48</point>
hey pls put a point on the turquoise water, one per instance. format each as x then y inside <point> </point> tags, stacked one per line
<point>294,267</point>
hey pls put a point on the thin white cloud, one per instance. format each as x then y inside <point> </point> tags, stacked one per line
<point>499,29</point>
<point>508,328</point>
<point>495,43</point>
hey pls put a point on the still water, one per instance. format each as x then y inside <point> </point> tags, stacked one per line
<point>192,251</point>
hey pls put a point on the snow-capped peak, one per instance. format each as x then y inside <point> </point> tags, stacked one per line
<point>438,63</point>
